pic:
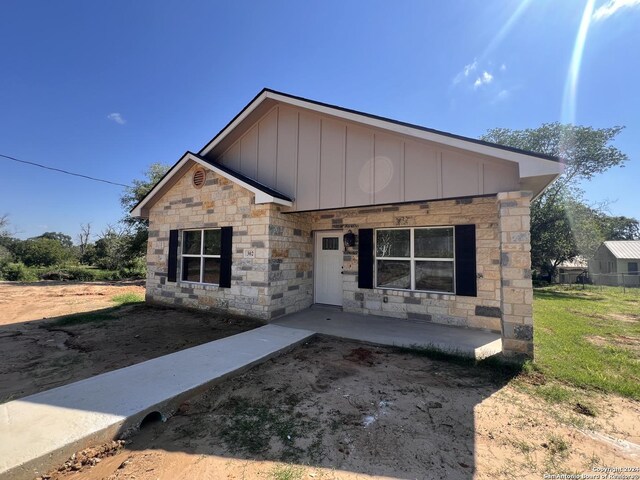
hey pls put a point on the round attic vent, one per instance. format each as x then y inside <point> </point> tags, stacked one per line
<point>199,177</point>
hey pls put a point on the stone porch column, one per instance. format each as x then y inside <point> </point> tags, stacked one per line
<point>516,290</point>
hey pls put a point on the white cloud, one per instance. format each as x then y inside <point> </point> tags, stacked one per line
<point>466,71</point>
<point>502,95</point>
<point>486,76</point>
<point>484,79</point>
<point>470,68</point>
<point>611,7</point>
<point>116,117</point>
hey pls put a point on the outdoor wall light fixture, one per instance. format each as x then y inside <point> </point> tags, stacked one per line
<point>349,239</point>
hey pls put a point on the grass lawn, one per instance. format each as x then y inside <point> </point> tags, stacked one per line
<point>588,338</point>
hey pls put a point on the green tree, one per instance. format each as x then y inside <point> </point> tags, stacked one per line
<point>550,246</point>
<point>620,228</point>
<point>84,242</point>
<point>43,252</point>
<point>585,227</point>
<point>140,187</point>
<point>110,250</point>
<point>136,245</point>
<point>585,153</point>
<point>4,223</point>
<point>89,256</point>
<point>5,256</point>
<point>64,239</point>
<point>10,245</point>
<point>5,253</point>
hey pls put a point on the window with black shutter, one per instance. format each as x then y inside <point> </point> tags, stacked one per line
<point>172,258</point>
<point>365,258</point>
<point>424,259</point>
<point>466,275</point>
<point>416,259</point>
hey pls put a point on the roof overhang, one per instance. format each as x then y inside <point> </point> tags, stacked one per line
<point>537,171</point>
<point>263,194</point>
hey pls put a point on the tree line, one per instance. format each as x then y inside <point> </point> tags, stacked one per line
<point>116,252</point>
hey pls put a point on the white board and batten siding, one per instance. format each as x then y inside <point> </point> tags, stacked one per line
<point>325,162</point>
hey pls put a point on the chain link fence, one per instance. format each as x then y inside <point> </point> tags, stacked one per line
<point>622,280</point>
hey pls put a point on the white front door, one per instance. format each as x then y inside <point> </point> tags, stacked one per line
<point>328,268</point>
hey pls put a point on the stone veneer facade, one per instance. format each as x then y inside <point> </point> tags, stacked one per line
<point>482,311</point>
<point>276,281</point>
<point>516,301</point>
<point>279,280</point>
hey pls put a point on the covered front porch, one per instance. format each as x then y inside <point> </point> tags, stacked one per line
<point>394,331</point>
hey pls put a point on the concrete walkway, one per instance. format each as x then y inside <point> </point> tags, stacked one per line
<point>395,331</point>
<point>43,430</point>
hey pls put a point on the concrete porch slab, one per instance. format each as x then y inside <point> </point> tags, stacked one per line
<point>394,331</point>
<point>40,431</point>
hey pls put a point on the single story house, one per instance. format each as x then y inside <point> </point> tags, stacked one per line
<point>570,271</point>
<point>297,202</point>
<point>616,263</point>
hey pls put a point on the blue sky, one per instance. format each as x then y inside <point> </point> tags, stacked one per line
<point>107,88</point>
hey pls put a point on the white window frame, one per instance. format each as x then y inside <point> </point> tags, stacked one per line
<point>412,258</point>
<point>201,255</point>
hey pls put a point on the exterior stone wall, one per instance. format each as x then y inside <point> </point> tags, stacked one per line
<point>218,203</point>
<point>516,286</point>
<point>291,264</point>
<point>277,281</point>
<point>482,311</point>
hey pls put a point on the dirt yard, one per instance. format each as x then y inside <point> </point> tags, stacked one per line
<point>340,410</point>
<point>329,409</point>
<point>24,302</point>
<point>41,347</point>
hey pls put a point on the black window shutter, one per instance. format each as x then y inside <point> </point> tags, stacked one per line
<point>172,259</point>
<point>365,258</point>
<point>225,256</point>
<point>466,282</point>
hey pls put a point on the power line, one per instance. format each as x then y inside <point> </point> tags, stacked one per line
<point>64,171</point>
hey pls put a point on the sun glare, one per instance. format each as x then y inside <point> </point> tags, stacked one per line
<point>506,28</point>
<point>569,98</point>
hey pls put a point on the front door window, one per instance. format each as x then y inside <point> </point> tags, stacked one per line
<point>328,268</point>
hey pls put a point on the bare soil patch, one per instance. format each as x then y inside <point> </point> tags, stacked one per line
<point>620,341</point>
<point>24,302</point>
<point>625,317</point>
<point>338,410</point>
<point>39,351</point>
<point>618,317</point>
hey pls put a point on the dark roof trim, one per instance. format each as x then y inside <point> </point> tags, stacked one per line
<point>242,178</point>
<point>384,119</point>
<point>234,118</point>
<point>223,168</point>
